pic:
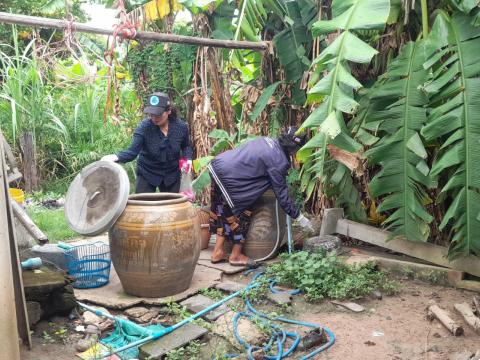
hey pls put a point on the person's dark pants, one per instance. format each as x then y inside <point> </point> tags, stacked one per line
<point>143,186</point>
<point>222,220</point>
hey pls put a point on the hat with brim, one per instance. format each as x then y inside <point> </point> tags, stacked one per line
<point>154,110</point>
<point>157,103</point>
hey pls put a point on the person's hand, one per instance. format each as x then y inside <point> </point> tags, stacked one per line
<point>186,165</point>
<point>111,157</point>
<point>305,223</point>
<point>189,194</point>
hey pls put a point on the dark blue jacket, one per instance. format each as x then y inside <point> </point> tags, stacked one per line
<point>251,169</point>
<point>158,155</point>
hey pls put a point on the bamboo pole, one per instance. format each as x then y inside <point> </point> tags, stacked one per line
<point>28,224</point>
<point>36,21</point>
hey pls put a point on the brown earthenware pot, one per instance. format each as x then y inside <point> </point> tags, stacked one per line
<point>155,244</point>
<point>204,216</point>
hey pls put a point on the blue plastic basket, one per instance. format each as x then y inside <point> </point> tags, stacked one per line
<point>89,264</point>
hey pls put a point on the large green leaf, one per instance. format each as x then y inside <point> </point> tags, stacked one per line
<point>454,120</point>
<point>332,81</point>
<point>294,42</point>
<point>400,184</point>
<point>348,196</point>
<point>263,100</point>
<point>465,5</point>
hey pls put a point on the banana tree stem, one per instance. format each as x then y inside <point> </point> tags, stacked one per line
<point>424,18</point>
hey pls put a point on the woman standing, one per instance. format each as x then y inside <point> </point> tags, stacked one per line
<point>162,143</point>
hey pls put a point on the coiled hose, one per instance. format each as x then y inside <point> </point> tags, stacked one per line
<point>279,335</point>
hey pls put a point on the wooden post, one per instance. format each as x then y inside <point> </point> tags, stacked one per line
<point>27,144</point>
<point>476,304</point>
<point>466,311</point>
<point>35,21</point>
<point>435,312</point>
<point>9,340</point>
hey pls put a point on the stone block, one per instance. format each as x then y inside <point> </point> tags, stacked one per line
<point>157,349</point>
<point>199,303</point>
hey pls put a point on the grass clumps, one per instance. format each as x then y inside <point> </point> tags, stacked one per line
<point>52,222</point>
<point>321,276</point>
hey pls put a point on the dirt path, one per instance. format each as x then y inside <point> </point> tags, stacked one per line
<point>391,328</point>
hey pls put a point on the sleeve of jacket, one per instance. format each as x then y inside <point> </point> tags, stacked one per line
<point>135,147</point>
<point>187,150</point>
<point>280,188</point>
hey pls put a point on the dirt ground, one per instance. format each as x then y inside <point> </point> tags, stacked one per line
<point>392,328</point>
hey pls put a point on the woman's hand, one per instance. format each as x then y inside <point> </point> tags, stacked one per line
<point>185,165</point>
<point>111,157</point>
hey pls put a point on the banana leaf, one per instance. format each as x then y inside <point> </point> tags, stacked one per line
<point>454,121</point>
<point>400,184</point>
<point>332,81</point>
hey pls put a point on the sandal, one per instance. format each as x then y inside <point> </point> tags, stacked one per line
<point>224,259</point>
<point>250,264</point>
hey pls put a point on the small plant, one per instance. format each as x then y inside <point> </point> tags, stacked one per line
<point>321,275</point>
<point>181,312</point>
<point>213,294</point>
<point>191,352</point>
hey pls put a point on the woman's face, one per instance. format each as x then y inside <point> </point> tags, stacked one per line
<point>160,120</point>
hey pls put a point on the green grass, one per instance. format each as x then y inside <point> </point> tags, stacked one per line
<point>52,222</point>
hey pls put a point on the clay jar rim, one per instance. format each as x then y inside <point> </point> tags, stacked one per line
<point>156,199</point>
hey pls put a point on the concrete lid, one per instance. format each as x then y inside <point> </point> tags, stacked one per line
<point>96,198</point>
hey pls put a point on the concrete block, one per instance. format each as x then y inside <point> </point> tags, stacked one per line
<point>280,298</point>
<point>200,302</point>
<point>50,253</point>
<point>329,221</point>
<point>34,311</point>
<point>157,349</point>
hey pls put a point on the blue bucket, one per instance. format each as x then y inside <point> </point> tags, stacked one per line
<point>89,264</point>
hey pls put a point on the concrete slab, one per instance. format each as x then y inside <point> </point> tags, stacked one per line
<point>224,267</point>
<point>112,295</point>
<point>156,350</point>
<point>200,302</point>
<point>229,286</point>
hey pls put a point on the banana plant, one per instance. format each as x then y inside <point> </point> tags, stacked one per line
<point>454,122</point>
<point>332,84</point>
<point>401,182</point>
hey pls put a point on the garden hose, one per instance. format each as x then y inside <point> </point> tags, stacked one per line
<point>279,335</point>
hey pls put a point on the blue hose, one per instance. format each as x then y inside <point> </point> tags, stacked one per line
<point>278,336</point>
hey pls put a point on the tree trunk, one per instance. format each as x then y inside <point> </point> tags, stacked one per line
<point>220,95</point>
<point>27,144</point>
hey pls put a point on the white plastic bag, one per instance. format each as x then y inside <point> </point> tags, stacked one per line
<point>186,187</point>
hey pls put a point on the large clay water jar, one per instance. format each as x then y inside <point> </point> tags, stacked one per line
<point>155,244</point>
<point>204,217</point>
<point>267,225</point>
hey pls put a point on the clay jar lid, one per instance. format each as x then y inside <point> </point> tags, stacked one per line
<point>96,198</point>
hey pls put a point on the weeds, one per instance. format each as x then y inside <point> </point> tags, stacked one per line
<point>321,276</point>
<point>213,294</point>
<point>181,313</point>
<point>191,352</point>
